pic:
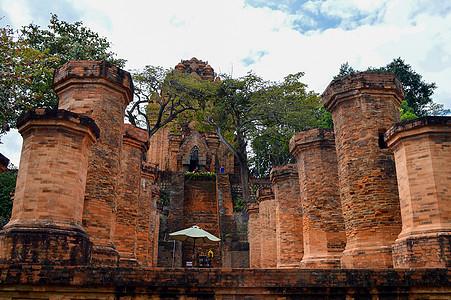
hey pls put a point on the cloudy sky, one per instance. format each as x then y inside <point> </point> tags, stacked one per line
<point>273,38</point>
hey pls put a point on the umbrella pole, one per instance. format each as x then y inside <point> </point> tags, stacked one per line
<point>194,251</point>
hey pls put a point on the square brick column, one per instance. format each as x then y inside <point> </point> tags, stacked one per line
<point>324,230</point>
<point>422,149</point>
<point>254,236</point>
<point>134,147</point>
<point>289,237</point>
<point>101,91</point>
<point>148,217</point>
<point>45,225</point>
<point>363,107</point>
<point>267,216</point>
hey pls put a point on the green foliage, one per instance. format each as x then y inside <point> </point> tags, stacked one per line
<point>238,203</point>
<point>418,93</point>
<point>7,187</point>
<point>326,119</point>
<point>291,109</point>
<point>164,199</point>
<point>204,175</point>
<point>29,56</point>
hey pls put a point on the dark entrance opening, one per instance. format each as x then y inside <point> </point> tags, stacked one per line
<point>194,159</point>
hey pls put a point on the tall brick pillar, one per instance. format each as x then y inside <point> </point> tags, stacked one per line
<point>45,225</point>
<point>148,219</point>
<point>254,236</point>
<point>422,149</point>
<point>289,238</point>
<point>134,146</point>
<point>363,107</point>
<point>267,216</point>
<point>324,230</point>
<point>102,92</point>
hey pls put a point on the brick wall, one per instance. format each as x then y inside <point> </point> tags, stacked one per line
<point>363,107</point>
<point>48,205</point>
<point>201,209</point>
<point>102,92</point>
<point>422,149</point>
<point>324,232</point>
<point>159,283</point>
<point>289,237</point>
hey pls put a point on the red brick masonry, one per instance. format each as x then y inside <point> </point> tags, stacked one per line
<point>48,206</point>
<point>102,92</point>
<point>324,232</point>
<point>363,107</point>
<point>422,150</point>
<point>26,282</point>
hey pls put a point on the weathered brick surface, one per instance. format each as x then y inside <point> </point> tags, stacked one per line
<point>363,107</point>
<point>54,283</point>
<point>47,213</point>
<point>147,218</point>
<point>134,146</point>
<point>323,225</point>
<point>422,149</point>
<point>267,216</point>
<point>226,217</point>
<point>4,161</point>
<point>289,237</point>
<point>254,236</point>
<point>201,209</point>
<point>102,92</point>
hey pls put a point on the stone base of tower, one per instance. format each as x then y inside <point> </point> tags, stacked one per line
<point>321,262</point>
<point>371,257</point>
<point>104,256</point>
<point>432,250</point>
<point>45,245</point>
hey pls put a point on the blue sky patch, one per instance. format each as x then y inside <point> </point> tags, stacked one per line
<point>253,57</point>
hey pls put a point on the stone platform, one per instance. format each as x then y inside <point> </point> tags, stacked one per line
<point>59,282</point>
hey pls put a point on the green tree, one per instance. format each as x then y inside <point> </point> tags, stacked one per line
<point>29,56</point>
<point>7,186</point>
<point>418,93</point>
<point>163,96</point>
<point>249,107</point>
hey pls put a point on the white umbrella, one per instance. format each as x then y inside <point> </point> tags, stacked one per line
<point>193,234</point>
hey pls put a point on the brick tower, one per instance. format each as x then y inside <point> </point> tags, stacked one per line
<point>422,149</point>
<point>289,238</point>
<point>363,107</point>
<point>46,219</point>
<point>101,91</point>
<point>324,232</point>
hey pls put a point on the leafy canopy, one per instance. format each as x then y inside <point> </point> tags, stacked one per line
<point>418,93</point>
<point>29,56</point>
